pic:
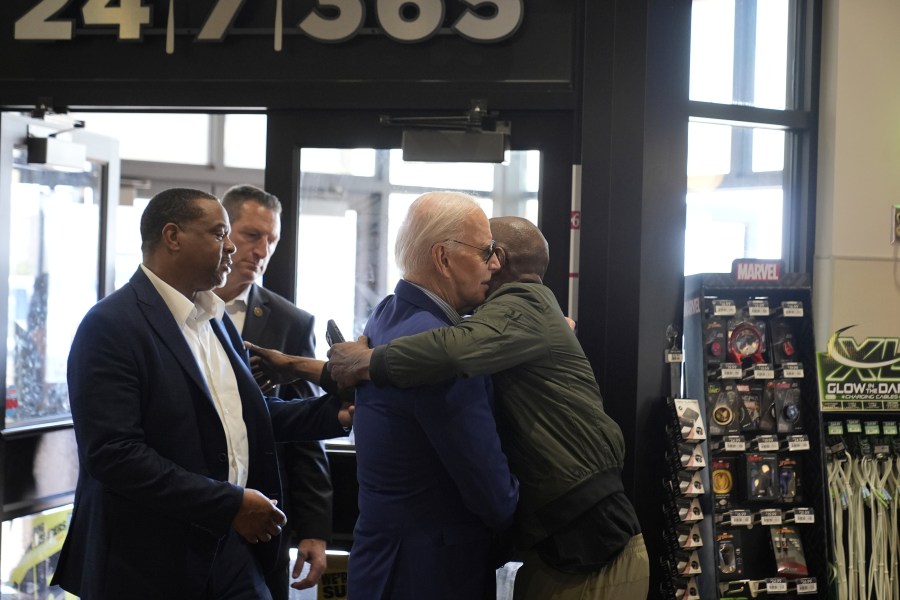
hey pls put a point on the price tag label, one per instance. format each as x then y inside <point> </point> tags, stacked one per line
<point>735,443</point>
<point>804,515</point>
<point>872,428</point>
<point>792,309</point>
<point>758,308</point>
<point>731,371</point>
<point>767,443</point>
<point>763,371</point>
<point>797,443</point>
<point>807,585</point>
<point>889,427</point>
<point>835,428</point>
<point>674,356</point>
<point>854,426</point>
<point>723,307</point>
<point>741,518</point>
<point>793,370</point>
<point>776,585</point>
<point>771,516</point>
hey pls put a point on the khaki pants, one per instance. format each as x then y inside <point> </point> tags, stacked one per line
<point>626,578</point>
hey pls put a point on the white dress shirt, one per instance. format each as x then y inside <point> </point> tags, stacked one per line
<point>237,309</point>
<point>193,320</point>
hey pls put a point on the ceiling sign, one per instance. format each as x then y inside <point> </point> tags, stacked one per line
<point>332,21</point>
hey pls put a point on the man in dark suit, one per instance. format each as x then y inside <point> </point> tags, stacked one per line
<point>266,319</point>
<point>434,486</point>
<point>178,483</point>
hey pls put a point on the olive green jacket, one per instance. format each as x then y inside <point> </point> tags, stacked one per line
<point>566,451</point>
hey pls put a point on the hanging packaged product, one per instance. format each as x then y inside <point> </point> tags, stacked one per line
<point>750,406</point>
<point>729,554</point>
<point>761,477</point>
<point>723,402</point>
<point>790,561</point>
<point>789,479</point>
<point>722,480</point>
<point>747,341</point>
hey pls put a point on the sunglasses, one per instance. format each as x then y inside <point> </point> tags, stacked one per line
<point>486,253</point>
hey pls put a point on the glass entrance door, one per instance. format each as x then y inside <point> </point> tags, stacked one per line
<point>350,189</point>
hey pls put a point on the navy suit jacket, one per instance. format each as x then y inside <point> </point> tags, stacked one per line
<point>434,484</point>
<point>274,322</point>
<point>153,497</point>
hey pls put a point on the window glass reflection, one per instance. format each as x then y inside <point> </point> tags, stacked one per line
<point>50,287</point>
<point>30,552</point>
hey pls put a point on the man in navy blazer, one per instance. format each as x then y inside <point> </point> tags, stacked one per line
<point>434,487</point>
<point>269,320</point>
<point>178,484</point>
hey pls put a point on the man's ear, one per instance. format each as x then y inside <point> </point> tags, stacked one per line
<point>170,235</point>
<point>441,258</point>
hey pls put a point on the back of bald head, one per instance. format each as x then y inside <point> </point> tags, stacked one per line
<point>526,249</point>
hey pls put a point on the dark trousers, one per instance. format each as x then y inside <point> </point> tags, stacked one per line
<point>236,574</point>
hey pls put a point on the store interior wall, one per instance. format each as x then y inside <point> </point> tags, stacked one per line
<point>857,270</point>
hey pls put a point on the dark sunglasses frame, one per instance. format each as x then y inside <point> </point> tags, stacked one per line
<point>486,253</point>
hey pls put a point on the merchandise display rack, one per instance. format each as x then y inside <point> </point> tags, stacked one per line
<point>749,365</point>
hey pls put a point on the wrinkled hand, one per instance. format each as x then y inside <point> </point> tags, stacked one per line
<point>258,519</point>
<point>271,367</point>
<point>310,551</point>
<point>348,362</point>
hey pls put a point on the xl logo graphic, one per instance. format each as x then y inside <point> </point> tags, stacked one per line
<point>871,353</point>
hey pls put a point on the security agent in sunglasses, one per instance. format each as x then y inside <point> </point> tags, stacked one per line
<point>576,531</point>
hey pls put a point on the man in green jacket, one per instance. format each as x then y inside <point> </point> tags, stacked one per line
<point>576,531</point>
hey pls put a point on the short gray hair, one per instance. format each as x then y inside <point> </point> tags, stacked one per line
<point>433,217</point>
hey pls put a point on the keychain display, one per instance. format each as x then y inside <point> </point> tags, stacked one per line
<point>748,352</point>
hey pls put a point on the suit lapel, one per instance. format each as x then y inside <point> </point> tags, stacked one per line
<point>257,317</point>
<point>163,323</point>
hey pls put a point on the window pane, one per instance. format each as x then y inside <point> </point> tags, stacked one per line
<point>245,141</point>
<point>768,150</point>
<point>157,137</point>
<point>338,161</point>
<point>712,51</point>
<point>441,176</point>
<point>30,551</point>
<point>735,199</point>
<point>709,149</point>
<point>128,236</point>
<point>49,292</point>
<point>770,84</point>
<point>725,224</point>
<point>739,52</point>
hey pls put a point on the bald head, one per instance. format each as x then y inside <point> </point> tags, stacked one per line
<point>523,250</point>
